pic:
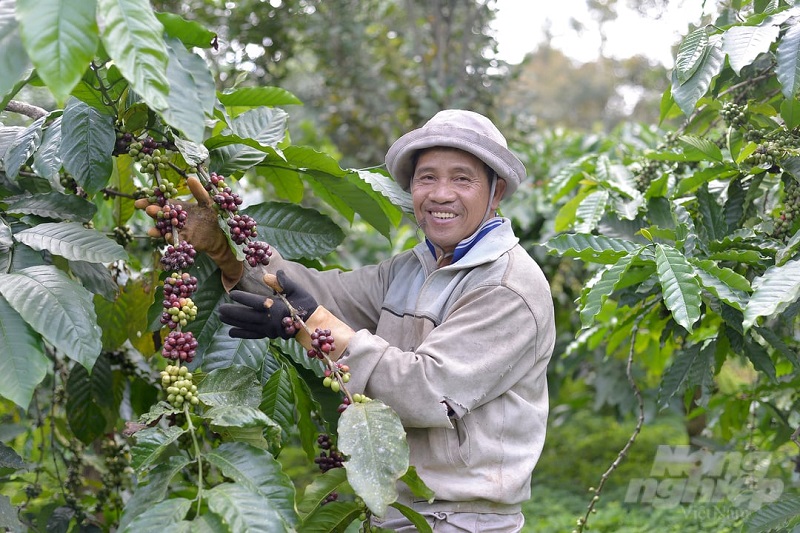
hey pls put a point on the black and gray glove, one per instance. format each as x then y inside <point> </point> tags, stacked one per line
<point>250,318</point>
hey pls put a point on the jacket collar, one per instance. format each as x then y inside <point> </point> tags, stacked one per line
<point>466,245</point>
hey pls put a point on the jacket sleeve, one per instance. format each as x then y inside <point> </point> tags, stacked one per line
<point>490,341</point>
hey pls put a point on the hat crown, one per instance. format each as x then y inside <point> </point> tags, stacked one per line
<point>467,120</point>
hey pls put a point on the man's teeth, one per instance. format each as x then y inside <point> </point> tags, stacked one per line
<point>443,215</point>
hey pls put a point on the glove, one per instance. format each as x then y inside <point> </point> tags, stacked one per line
<point>202,231</point>
<point>256,316</point>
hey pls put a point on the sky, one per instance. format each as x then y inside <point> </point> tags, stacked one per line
<point>520,28</point>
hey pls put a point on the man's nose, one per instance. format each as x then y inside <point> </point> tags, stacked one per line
<point>442,191</point>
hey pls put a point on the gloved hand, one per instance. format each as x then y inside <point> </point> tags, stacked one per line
<point>202,231</point>
<point>256,316</point>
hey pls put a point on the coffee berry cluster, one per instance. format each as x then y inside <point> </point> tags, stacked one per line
<point>785,221</point>
<point>177,381</point>
<point>243,228</point>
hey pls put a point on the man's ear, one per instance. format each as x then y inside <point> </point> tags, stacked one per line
<point>499,190</point>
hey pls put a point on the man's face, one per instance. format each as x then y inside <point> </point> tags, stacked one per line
<point>450,191</point>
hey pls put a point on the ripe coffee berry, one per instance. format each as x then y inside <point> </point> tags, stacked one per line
<point>178,257</point>
<point>257,253</point>
<point>180,346</point>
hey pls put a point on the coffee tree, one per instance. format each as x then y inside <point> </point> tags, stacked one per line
<point>125,404</point>
<point>692,244</point>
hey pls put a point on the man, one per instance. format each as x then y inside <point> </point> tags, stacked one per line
<point>455,335</point>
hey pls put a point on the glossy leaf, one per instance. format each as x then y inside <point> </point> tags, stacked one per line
<point>688,93</point>
<point>315,493</point>
<point>160,516</point>
<point>788,58</point>
<point>277,399</point>
<point>680,289</point>
<point>376,462</point>
<point>705,147</point>
<point>295,230</point>
<point>22,148</point>
<point>14,60</point>
<point>88,141</point>
<point>775,515</point>
<point>590,211</point>
<point>264,126</point>
<point>46,159</point>
<point>743,44</point>
<point>235,385</point>
<point>190,32</point>
<point>225,351</point>
<point>72,241</point>
<point>191,95</point>
<point>593,297</point>
<point>390,189</point>
<point>133,37</point>
<point>257,97</point>
<point>591,248</point>
<point>256,471</point>
<point>334,517</point>
<point>244,510</point>
<point>70,323</point>
<point>773,291</point>
<point>690,52</point>
<point>151,443</point>
<point>687,367</point>
<point>61,39</point>
<point>726,284</point>
<point>24,363</point>
<point>91,409</point>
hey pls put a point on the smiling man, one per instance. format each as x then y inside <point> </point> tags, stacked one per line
<point>455,335</point>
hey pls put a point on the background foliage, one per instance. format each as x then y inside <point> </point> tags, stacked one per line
<point>668,231</point>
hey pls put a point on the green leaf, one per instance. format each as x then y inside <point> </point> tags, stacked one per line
<point>788,58</point>
<point>790,113</point>
<point>256,471</point>
<point>286,181</point>
<point>22,148</point>
<point>61,39</point>
<point>681,291</point>
<point>87,145</point>
<point>151,443</point>
<point>389,189</point>
<point>760,358</point>
<point>194,154</point>
<point>133,38</point>
<point>264,126</point>
<point>245,510</point>
<point>417,486</point>
<point>706,147</point>
<point>773,292</point>
<point>315,493</point>
<point>277,399</point>
<point>414,517</point>
<point>69,323</point>
<point>72,241</point>
<point>24,363</point>
<point>591,248</point>
<point>334,517</point>
<point>244,416</point>
<point>235,385</point>
<point>124,317</point>
<point>190,33</point>
<point>590,211</point>
<point>14,60</point>
<point>91,410</point>
<point>156,488</point>
<point>744,43</point>
<point>373,438</point>
<point>687,94</point>
<point>690,362</point>
<point>258,96</point>
<point>690,52</point>
<point>727,285</point>
<point>191,96</point>
<point>160,516</point>
<point>9,520</point>
<point>774,515</point>
<point>295,230</point>
<point>46,160</point>
<point>713,225</point>
<point>780,347</point>
<point>225,351</point>
<point>593,297</point>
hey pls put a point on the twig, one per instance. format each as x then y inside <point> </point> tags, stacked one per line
<point>582,522</point>
<point>21,108</point>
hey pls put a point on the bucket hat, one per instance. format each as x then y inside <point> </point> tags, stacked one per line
<point>457,128</point>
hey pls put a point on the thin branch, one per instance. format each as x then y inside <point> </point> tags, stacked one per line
<point>21,108</point>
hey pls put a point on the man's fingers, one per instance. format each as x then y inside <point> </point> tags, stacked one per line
<point>152,210</point>
<point>198,191</point>
<point>255,301</point>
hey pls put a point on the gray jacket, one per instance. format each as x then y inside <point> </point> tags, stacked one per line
<point>460,353</point>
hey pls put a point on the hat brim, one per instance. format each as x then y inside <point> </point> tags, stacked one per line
<point>400,157</point>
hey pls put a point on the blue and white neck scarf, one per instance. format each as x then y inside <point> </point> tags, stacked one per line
<point>466,245</point>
